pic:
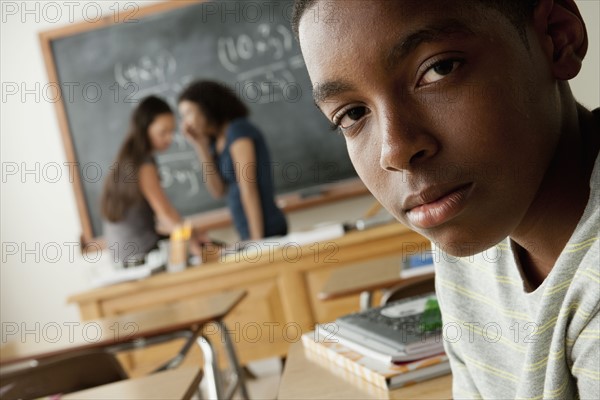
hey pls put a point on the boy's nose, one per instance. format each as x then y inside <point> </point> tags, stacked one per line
<point>404,146</point>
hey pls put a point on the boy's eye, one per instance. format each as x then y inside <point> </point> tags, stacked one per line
<point>438,71</point>
<point>348,117</point>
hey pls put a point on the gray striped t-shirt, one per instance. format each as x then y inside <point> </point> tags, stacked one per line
<point>504,342</point>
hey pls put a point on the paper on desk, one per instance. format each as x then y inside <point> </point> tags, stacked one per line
<point>320,234</point>
<point>303,238</point>
<point>112,275</point>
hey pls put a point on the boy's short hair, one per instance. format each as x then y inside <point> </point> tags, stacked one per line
<point>517,11</point>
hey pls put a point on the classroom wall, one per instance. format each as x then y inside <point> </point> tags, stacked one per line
<point>586,86</point>
<point>41,263</point>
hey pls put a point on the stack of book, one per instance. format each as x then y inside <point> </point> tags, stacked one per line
<point>390,346</point>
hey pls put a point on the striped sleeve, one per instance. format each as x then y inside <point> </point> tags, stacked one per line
<point>585,344</point>
<point>463,386</point>
<point>585,357</point>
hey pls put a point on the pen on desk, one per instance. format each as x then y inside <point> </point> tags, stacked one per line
<point>366,223</point>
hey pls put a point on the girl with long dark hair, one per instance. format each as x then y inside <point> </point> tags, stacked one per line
<point>133,201</point>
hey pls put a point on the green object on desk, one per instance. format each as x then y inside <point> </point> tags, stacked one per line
<point>431,320</point>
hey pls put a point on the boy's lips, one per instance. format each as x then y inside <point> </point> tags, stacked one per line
<point>436,205</point>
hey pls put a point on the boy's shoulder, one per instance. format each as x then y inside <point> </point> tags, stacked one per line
<point>536,340</point>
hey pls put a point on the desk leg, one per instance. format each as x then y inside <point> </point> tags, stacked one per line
<point>211,368</point>
<point>240,379</point>
<point>366,300</point>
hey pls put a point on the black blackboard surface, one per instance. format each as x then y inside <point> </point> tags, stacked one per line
<point>249,45</point>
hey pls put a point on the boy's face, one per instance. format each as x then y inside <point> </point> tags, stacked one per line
<point>449,119</point>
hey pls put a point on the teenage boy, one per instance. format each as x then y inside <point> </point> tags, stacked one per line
<point>459,118</point>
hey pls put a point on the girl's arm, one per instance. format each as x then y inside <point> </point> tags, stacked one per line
<point>210,173</point>
<point>243,155</point>
<point>166,214</point>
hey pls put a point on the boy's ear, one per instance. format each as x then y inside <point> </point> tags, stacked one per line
<point>562,33</point>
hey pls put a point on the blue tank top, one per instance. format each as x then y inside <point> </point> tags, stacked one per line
<point>273,219</point>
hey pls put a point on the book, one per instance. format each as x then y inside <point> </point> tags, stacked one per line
<point>381,374</point>
<point>403,330</point>
<point>383,353</point>
<point>417,264</point>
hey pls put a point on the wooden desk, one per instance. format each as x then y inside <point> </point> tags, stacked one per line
<point>306,376</point>
<point>117,330</point>
<point>377,274</point>
<point>282,287</point>
<point>155,325</point>
<point>178,384</point>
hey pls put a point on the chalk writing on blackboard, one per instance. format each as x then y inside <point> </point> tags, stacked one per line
<point>253,51</point>
<point>186,177</point>
<point>268,83</point>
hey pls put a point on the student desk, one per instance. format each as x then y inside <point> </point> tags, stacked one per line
<point>308,376</point>
<point>178,384</point>
<point>282,286</point>
<point>367,277</point>
<point>132,330</point>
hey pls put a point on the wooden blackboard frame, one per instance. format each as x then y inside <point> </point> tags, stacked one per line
<point>209,220</point>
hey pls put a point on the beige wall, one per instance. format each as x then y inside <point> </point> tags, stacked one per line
<point>43,214</point>
<point>586,86</point>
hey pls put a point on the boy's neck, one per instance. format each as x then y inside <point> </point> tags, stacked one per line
<point>562,198</point>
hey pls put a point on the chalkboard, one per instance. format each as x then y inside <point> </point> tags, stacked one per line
<point>103,70</point>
